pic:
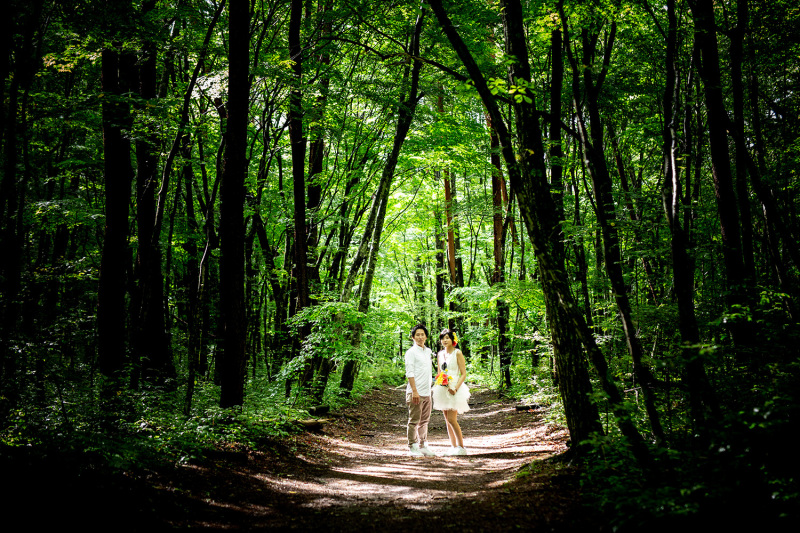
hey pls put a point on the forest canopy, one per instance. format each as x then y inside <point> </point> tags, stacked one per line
<point>239,209</point>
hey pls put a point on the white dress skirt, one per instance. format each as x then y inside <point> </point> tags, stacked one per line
<point>442,399</point>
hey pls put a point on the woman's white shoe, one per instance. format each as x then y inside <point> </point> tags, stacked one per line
<point>456,450</point>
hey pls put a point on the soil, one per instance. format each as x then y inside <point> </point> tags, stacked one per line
<point>353,473</point>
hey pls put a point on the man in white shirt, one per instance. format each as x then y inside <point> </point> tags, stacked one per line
<point>418,391</point>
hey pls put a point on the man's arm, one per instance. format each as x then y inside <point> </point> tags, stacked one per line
<point>414,391</point>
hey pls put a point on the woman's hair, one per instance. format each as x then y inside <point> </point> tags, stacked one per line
<point>449,333</point>
<point>419,326</point>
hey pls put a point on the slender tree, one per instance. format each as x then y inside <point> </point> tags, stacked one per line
<point>406,110</point>
<point>703,404</point>
<point>498,249</point>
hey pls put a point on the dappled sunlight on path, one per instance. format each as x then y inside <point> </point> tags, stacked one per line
<point>372,464</point>
<point>356,474</point>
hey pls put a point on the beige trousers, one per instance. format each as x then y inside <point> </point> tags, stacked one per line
<point>418,417</point>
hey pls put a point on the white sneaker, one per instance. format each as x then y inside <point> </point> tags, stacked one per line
<point>425,450</point>
<point>452,451</point>
<point>460,451</point>
<point>414,450</point>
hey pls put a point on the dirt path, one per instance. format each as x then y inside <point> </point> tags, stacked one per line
<point>356,475</point>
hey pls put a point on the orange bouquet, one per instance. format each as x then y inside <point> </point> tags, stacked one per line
<point>443,379</point>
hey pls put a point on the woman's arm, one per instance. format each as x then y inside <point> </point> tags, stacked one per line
<point>462,368</point>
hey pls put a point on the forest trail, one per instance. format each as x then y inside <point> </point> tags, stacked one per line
<point>356,475</point>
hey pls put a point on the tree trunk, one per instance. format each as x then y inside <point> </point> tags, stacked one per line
<point>192,283</point>
<point>298,147</point>
<point>280,335</point>
<point>498,247</point>
<point>111,316</point>
<point>10,240</point>
<point>529,181</point>
<point>232,365</point>
<point>150,342</point>
<point>299,144</point>
<point>21,47</point>
<point>453,241</point>
<point>580,256</point>
<point>345,232</point>
<point>701,402</point>
<point>441,253</point>
<point>454,256</point>
<point>737,35</point>
<point>633,214</point>
<point>320,365</point>
<point>706,39</point>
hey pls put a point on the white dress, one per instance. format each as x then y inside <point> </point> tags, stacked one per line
<point>442,399</point>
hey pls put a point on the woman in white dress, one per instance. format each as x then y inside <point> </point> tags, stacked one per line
<point>452,398</point>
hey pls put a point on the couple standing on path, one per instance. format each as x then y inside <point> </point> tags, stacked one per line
<point>450,397</point>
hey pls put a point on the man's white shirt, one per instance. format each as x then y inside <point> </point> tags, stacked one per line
<point>418,366</point>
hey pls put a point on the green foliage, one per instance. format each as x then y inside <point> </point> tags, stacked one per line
<point>333,326</point>
<point>383,373</point>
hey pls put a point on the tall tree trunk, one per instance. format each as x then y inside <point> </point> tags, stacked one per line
<point>702,403</point>
<point>779,234</point>
<point>737,35</point>
<point>192,282</point>
<point>298,147</point>
<point>279,295</point>
<point>455,322</point>
<point>633,214</point>
<point>232,365</point>
<point>710,72</point>
<point>151,352</point>
<point>322,366</point>
<point>345,231</point>
<point>209,271</point>
<point>299,143</point>
<point>554,136</point>
<point>11,244</point>
<point>529,181</point>
<point>580,256</point>
<point>441,254</point>
<point>453,243</point>
<point>418,284</point>
<point>111,316</point>
<point>498,248</point>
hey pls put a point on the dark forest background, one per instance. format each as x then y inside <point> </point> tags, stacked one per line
<point>216,217</point>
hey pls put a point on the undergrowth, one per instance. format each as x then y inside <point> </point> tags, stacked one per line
<point>144,428</point>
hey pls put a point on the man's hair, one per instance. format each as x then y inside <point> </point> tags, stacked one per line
<point>419,326</point>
